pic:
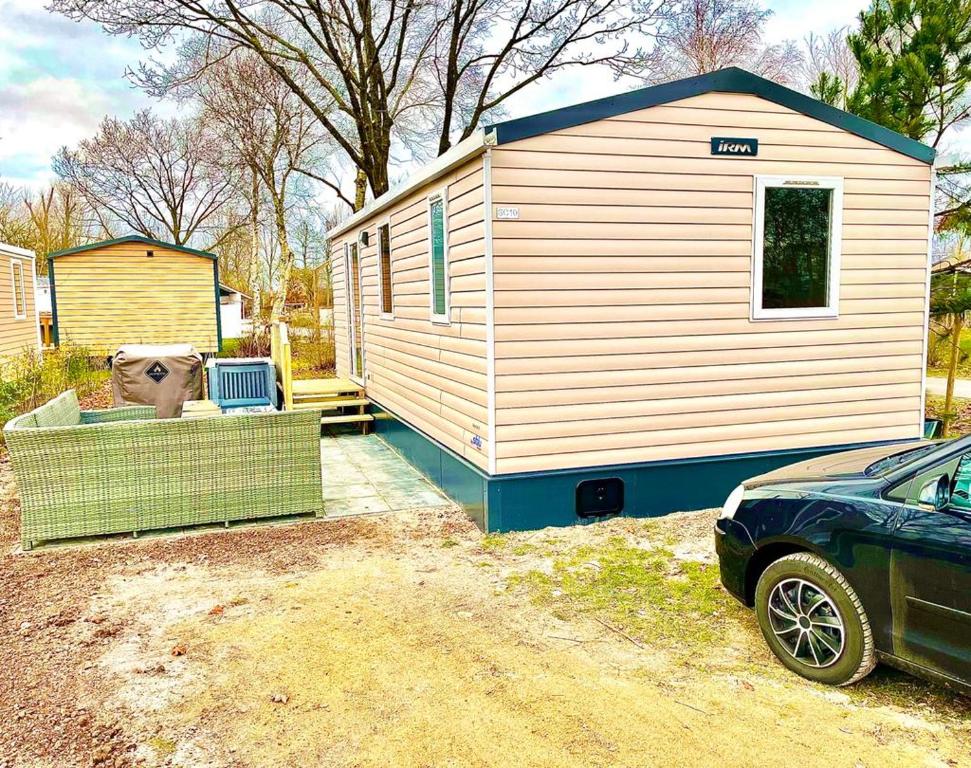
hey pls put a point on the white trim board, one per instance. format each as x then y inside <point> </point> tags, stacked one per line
<point>13,250</point>
<point>927,303</point>
<point>460,153</point>
<point>487,214</point>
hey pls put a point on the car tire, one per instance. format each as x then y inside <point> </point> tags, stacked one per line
<point>813,620</point>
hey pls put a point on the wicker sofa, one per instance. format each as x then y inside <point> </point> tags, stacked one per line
<point>86,473</point>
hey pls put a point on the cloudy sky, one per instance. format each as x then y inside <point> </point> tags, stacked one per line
<point>59,78</point>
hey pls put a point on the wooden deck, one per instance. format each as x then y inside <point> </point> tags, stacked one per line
<point>326,387</point>
<point>344,401</point>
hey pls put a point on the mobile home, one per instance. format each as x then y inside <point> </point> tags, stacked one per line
<point>135,290</point>
<point>628,305</point>
<point>19,327</point>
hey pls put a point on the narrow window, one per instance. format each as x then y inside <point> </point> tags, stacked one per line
<point>19,290</point>
<point>797,247</point>
<point>355,322</point>
<point>384,264</point>
<point>438,258</point>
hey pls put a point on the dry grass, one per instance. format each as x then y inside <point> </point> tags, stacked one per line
<point>436,647</point>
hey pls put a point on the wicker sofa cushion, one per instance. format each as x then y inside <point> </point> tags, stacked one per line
<point>62,411</point>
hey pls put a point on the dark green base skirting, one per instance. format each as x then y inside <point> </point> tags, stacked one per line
<point>526,501</point>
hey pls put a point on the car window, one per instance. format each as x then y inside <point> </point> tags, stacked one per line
<point>961,485</point>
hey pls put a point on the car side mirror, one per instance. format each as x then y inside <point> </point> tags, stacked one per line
<point>935,493</point>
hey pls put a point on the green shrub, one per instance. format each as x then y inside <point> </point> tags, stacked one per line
<point>230,348</point>
<point>312,356</point>
<point>29,380</point>
<point>311,348</point>
<point>254,345</point>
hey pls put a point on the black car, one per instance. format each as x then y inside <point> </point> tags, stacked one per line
<point>858,557</point>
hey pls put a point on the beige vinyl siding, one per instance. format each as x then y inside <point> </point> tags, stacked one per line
<point>118,295</point>
<point>622,292</point>
<point>431,375</point>
<point>16,335</point>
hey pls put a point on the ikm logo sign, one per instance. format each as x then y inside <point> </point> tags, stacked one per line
<point>723,145</point>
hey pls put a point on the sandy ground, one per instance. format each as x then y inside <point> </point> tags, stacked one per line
<point>412,640</point>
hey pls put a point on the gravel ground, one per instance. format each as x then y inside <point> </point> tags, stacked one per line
<point>54,696</point>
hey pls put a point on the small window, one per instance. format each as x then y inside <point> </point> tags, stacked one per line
<point>438,258</point>
<point>384,265</point>
<point>798,221</point>
<point>19,290</point>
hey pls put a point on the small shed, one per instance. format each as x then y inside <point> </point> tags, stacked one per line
<point>135,290</point>
<point>232,312</point>
<point>19,327</point>
<point>627,306</point>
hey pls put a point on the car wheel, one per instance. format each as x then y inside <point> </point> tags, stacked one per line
<point>813,620</point>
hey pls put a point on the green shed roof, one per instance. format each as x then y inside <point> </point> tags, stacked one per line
<point>132,239</point>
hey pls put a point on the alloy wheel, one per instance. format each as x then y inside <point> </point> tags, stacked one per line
<point>806,622</point>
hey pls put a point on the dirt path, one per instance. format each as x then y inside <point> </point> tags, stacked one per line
<point>414,641</point>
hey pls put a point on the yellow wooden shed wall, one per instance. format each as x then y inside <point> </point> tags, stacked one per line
<point>434,376</point>
<point>622,292</point>
<point>16,336</point>
<point>118,295</point>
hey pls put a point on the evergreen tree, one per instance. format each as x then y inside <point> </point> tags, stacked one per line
<point>914,61</point>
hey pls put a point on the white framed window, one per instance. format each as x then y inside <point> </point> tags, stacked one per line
<point>19,286</point>
<point>797,245</point>
<point>438,281</point>
<point>386,285</point>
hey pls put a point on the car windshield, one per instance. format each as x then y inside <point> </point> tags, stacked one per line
<point>897,459</point>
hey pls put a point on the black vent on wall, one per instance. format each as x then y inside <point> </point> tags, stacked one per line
<point>603,496</point>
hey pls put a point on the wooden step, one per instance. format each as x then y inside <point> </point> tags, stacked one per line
<point>351,418</point>
<point>325,395</point>
<point>330,404</point>
<point>303,388</point>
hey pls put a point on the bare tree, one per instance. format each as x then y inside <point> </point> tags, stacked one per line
<point>492,49</point>
<point>14,224</point>
<point>59,219</point>
<point>271,132</point>
<point>355,65</point>
<point>699,36</point>
<point>378,71</point>
<point>51,219</point>
<point>161,178</point>
<point>829,68</point>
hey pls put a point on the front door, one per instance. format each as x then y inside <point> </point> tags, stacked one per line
<point>931,572</point>
<point>355,325</point>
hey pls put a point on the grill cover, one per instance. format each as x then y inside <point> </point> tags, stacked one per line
<point>163,376</point>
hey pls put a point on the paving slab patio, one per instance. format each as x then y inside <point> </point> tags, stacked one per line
<point>363,475</point>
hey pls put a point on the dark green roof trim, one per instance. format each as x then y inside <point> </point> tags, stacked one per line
<point>730,80</point>
<point>55,335</point>
<point>132,239</point>
<point>219,315</point>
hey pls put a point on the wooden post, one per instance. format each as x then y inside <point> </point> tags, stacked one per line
<point>280,353</point>
<point>956,328</point>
